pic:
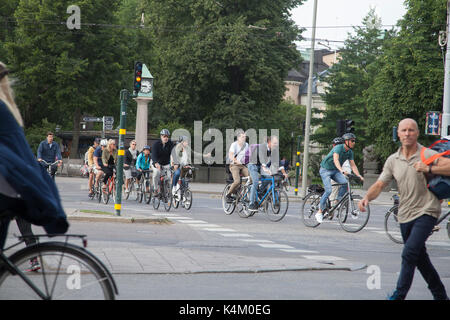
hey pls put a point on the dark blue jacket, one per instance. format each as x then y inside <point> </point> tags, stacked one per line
<point>42,205</point>
<point>49,154</point>
<point>161,153</point>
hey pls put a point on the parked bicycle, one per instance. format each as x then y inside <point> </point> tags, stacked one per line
<point>272,199</point>
<point>110,187</point>
<point>164,192</point>
<point>392,226</point>
<point>184,195</point>
<point>67,271</point>
<point>348,214</point>
<point>144,190</point>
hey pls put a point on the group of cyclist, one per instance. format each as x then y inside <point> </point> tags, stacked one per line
<point>102,158</point>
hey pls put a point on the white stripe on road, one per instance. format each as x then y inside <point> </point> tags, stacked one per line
<point>235,235</point>
<point>180,218</point>
<point>299,251</point>
<point>192,221</point>
<point>202,225</point>
<point>219,229</point>
<point>256,240</point>
<point>327,258</point>
<point>275,246</point>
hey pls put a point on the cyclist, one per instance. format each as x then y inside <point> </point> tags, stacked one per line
<point>331,168</point>
<point>131,155</point>
<point>39,202</point>
<point>98,164</point>
<point>236,154</point>
<point>258,157</point>
<point>109,160</point>
<point>161,152</point>
<point>49,151</point>
<point>90,159</point>
<point>143,162</point>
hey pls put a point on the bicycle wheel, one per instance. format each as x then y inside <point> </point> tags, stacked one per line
<point>243,202</point>
<point>448,229</point>
<point>187,199</point>
<point>126,193</point>
<point>156,200</point>
<point>350,218</point>
<point>67,272</point>
<point>309,208</point>
<point>278,206</point>
<point>148,194</point>
<point>98,194</point>
<point>105,195</point>
<point>140,190</point>
<point>167,196</point>
<point>392,226</point>
<point>228,207</point>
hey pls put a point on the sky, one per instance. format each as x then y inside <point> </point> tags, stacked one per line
<point>339,15</point>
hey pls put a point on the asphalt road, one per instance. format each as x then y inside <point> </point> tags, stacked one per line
<point>265,239</point>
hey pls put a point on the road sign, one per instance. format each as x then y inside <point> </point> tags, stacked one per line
<point>433,123</point>
<point>92,119</point>
<point>108,123</point>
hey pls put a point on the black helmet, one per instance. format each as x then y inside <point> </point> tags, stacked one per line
<point>338,140</point>
<point>348,136</point>
<point>164,132</point>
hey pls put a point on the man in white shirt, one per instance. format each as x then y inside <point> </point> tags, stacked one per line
<point>236,155</point>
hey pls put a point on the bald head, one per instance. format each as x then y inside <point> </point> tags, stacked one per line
<point>408,121</point>
<point>408,132</point>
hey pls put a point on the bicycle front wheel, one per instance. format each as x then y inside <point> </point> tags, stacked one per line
<point>187,199</point>
<point>147,191</point>
<point>351,218</point>
<point>309,208</point>
<point>167,197</point>
<point>278,206</point>
<point>243,202</point>
<point>228,206</point>
<point>67,272</point>
<point>392,226</point>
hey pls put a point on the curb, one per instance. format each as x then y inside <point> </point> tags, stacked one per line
<point>93,217</point>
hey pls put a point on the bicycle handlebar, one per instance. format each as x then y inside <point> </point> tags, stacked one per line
<point>49,164</point>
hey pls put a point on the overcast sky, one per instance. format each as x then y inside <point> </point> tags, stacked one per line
<point>338,14</point>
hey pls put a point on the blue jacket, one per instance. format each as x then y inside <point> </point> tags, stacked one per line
<point>42,205</point>
<point>49,154</point>
<point>142,163</point>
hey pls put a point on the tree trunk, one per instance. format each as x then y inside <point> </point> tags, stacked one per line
<point>76,134</point>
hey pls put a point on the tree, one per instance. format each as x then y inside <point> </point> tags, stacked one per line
<point>409,75</point>
<point>348,80</point>
<point>64,73</point>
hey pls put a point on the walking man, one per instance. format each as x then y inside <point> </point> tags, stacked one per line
<point>418,210</point>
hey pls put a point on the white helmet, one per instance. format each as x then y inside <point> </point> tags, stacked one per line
<point>104,142</point>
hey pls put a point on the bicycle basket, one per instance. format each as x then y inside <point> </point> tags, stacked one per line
<point>316,188</point>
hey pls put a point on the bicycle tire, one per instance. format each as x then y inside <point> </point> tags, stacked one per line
<point>352,221</point>
<point>140,191</point>
<point>448,229</point>
<point>98,194</point>
<point>187,203</point>
<point>392,226</point>
<point>167,196</point>
<point>105,196</point>
<point>148,195</point>
<point>228,207</point>
<point>277,207</point>
<point>309,207</point>
<point>243,202</point>
<point>126,194</point>
<point>82,270</point>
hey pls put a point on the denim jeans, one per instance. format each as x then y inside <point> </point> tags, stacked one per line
<point>326,176</point>
<point>254,174</point>
<point>414,254</point>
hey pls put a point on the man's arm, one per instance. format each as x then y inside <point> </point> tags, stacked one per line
<point>39,152</point>
<point>373,192</point>
<point>336,162</point>
<point>442,167</point>
<point>355,169</point>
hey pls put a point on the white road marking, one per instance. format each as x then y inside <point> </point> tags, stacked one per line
<point>203,225</point>
<point>219,229</point>
<point>327,258</point>
<point>256,240</point>
<point>275,246</point>
<point>299,251</point>
<point>235,235</point>
<point>192,221</point>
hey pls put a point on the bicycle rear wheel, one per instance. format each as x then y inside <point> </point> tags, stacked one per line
<point>105,195</point>
<point>243,202</point>
<point>392,226</point>
<point>351,218</point>
<point>228,207</point>
<point>309,208</point>
<point>66,272</point>
<point>187,199</point>
<point>147,194</point>
<point>167,196</point>
<point>277,207</point>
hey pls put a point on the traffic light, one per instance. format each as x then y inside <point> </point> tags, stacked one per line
<point>137,76</point>
<point>349,126</point>
<point>340,128</point>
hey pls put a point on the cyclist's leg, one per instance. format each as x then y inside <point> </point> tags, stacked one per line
<point>254,173</point>
<point>326,179</point>
<point>339,178</point>
<point>235,171</point>
<point>176,177</point>
<point>155,178</point>
<point>25,230</point>
<point>91,179</point>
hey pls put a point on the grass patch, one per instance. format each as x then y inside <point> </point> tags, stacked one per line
<point>97,212</point>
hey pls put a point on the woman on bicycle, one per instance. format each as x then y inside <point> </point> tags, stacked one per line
<point>109,160</point>
<point>39,201</point>
<point>143,162</point>
<point>331,168</point>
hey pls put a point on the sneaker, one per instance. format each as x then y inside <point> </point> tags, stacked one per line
<point>394,296</point>
<point>253,207</point>
<point>319,217</point>
<point>229,198</point>
<point>34,265</point>
<point>436,228</point>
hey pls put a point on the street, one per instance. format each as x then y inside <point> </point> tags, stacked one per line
<point>236,258</point>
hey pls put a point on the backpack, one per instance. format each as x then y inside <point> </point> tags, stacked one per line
<point>438,184</point>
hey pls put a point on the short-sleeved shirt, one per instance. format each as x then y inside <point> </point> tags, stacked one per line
<point>328,163</point>
<point>415,198</point>
<point>98,154</point>
<point>239,151</point>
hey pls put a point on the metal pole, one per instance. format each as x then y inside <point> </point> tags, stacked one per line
<point>121,150</point>
<point>297,165</point>
<point>445,130</point>
<point>308,107</point>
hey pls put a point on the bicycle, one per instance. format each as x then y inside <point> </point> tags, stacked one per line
<point>110,187</point>
<point>93,192</point>
<point>67,271</point>
<point>274,198</point>
<point>184,195</point>
<point>230,206</point>
<point>350,218</point>
<point>165,192</point>
<point>133,185</point>
<point>144,189</point>
<point>392,226</point>
<point>49,166</point>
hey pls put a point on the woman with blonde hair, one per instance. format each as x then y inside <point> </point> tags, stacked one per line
<point>109,159</point>
<point>39,201</point>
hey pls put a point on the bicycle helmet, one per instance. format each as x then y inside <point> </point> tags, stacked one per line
<point>183,138</point>
<point>146,147</point>
<point>348,136</point>
<point>164,132</point>
<point>338,140</point>
<point>104,142</point>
